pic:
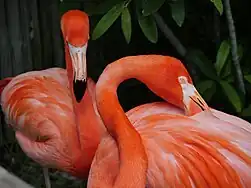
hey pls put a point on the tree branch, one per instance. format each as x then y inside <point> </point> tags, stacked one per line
<point>169,34</point>
<point>174,41</point>
<point>234,52</point>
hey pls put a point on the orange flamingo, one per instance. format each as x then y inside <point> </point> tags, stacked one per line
<point>51,110</point>
<point>208,149</point>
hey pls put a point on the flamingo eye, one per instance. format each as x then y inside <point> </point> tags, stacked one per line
<point>182,80</point>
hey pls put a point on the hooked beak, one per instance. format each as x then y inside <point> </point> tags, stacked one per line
<point>78,58</point>
<point>196,104</point>
<point>192,100</point>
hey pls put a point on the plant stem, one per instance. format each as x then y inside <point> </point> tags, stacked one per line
<point>175,42</point>
<point>234,52</point>
<point>46,177</point>
<point>169,34</point>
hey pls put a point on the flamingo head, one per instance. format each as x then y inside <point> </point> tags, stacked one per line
<point>180,90</point>
<point>184,93</point>
<point>75,29</point>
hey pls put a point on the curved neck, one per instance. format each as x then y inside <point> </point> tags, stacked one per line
<point>133,158</point>
<point>89,127</point>
<point>157,72</point>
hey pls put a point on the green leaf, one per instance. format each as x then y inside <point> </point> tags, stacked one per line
<point>218,5</point>
<point>203,86</point>
<point>126,24</point>
<point>248,78</point>
<point>232,95</point>
<point>227,69</point>
<point>226,72</point>
<point>246,112</point>
<point>148,27</point>
<point>229,78</point>
<point>178,11</point>
<point>222,56</point>
<point>203,63</point>
<point>207,89</point>
<point>107,20</point>
<point>151,6</point>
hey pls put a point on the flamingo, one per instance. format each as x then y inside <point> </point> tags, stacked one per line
<point>52,111</point>
<point>207,148</point>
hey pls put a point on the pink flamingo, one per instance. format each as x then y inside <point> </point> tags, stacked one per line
<point>52,110</point>
<point>208,149</point>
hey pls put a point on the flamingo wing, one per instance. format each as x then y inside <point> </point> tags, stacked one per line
<point>106,156</point>
<point>230,119</point>
<point>141,111</point>
<point>183,152</point>
<point>38,106</point>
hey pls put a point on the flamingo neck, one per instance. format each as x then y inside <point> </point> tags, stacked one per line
<point>157,72</point>
<point>133,158</point>
<point>89,127</point>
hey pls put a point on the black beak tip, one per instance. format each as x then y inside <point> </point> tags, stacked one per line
<point>79,88</point>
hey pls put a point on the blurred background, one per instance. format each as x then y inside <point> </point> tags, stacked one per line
<point>212,39</point>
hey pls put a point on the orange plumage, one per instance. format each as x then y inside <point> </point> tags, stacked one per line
<point>208,149</point>
<point>41,106</point>
<point>38,105</point>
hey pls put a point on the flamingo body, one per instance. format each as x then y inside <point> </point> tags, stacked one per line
<point>204,148</point>
<point>183,152</point>
<point>38,105</point>
<point>52,110</point>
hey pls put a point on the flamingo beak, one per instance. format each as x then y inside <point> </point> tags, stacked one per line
<point>193,102</point>
<point>196,104</point>
<point>78,58</point>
